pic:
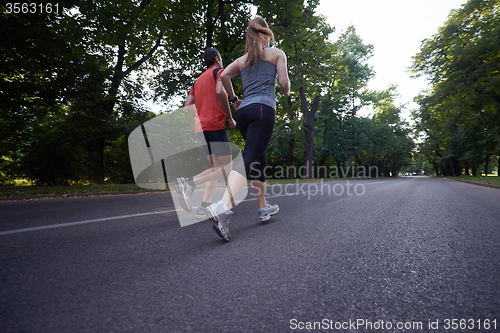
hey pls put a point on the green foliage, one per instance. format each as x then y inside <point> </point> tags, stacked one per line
<point>199,25</point>
<point>67,81</point>
<point>339,73</point>
<point>303,36</point>
<point>352,70</point>
<point>73,86</point>
<point>460,114</point>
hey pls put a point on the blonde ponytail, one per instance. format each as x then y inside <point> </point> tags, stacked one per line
<point>258,34</point>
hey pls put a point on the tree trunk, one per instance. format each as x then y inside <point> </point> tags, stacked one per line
<point>210,25</point>
<point>326,154</point>
<point>457,168</point>
<point>322,162</point>
<point>486,164</point>
<point>436,167</point>
<point>466,167</point>
<point>309,130</point>
<point>109,105</point>
<point>101,174</point>
<point>222,18</point>
<point>289,157</point>
<point>448,169</point>
<point>394,171</point>
<point>112,96</point>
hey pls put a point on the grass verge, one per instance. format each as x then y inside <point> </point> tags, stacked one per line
<point>14,191</point>
<point>7,192</point>
<point>494,180</point>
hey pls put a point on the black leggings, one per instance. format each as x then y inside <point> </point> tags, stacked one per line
<point>256,124</point>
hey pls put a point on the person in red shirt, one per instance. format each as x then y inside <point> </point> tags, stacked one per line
<point>211,109</point>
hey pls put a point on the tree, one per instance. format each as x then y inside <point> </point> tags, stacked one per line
<point>462,62</point>
<point>303,35</point>
<point>220,24</point>
<point>73,83</point>
<point>346,94</point>
<point>395,133</point>
<point>124,36</point>
<point>86,65</point>
<point>40,73</point>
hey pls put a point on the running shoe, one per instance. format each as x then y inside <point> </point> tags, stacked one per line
<point>268,211</point>
<point>220,217</point>
<point>201,212</point>
<point>184,190</point>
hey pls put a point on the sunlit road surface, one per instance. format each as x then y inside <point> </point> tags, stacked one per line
<point>393,255</point>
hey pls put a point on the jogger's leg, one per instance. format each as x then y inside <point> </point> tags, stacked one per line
<point>260,192</point>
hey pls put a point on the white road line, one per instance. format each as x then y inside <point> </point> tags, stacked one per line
<point>52,226</point>
<point>60,225</point>
<point>8,232</point>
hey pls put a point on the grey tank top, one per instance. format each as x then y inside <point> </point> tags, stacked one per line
<point>259,84</point>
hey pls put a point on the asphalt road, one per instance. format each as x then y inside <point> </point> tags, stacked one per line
<point>396,255</point>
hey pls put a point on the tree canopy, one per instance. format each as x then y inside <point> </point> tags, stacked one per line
<point>459,114</point>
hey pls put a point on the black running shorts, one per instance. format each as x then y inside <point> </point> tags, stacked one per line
<point>217,142</point>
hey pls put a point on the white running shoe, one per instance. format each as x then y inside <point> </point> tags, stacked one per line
<point>185,191</point>
<point>201,213</point>
<point>268,211</point>
<point>220,216</point>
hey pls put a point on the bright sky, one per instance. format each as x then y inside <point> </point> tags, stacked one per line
<point>395,28</point>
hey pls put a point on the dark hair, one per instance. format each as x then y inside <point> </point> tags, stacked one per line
<point>209,56</point>
<point>258,33</point>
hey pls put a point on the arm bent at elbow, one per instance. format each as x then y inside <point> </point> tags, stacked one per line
<point>224,103</point>
<point>282,70</point>
<point>231,71</point>
<point>285,88</point>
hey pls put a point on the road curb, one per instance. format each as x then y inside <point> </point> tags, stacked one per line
<point>475,183</point>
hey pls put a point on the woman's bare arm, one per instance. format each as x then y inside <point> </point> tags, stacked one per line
<point>282,70</point>
<point>229,72</point>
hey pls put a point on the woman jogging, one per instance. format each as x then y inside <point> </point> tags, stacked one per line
<point>255,117</point>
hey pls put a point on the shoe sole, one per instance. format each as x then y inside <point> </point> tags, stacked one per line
<point>217,225</point>
<point>185,203</point>
<point>177,187</point>
<point>218,232</point>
